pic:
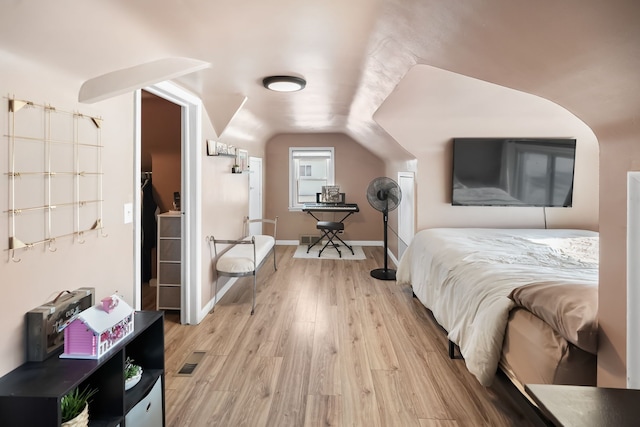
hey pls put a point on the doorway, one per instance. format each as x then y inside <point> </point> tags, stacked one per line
<point>190,181</point>
<point>161,180</point>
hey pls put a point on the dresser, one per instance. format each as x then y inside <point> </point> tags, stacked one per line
<point>169,261</point>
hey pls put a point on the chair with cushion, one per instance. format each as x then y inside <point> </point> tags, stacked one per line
<point>244,257</point>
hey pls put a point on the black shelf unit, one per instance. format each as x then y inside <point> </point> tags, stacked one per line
<point>31,393</point>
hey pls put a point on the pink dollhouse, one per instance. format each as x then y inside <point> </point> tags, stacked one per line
<point>97,329</point>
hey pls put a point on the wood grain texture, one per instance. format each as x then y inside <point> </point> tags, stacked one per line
<point>328,345</point>
<point>323,411</point>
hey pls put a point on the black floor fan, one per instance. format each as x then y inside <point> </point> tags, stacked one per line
<point>384,195</point>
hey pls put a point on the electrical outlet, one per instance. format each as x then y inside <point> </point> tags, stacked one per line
<point>128,213</point>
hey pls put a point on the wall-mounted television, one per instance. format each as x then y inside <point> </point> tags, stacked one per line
<point>513,172</point>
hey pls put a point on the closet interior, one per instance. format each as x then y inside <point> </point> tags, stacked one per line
<point>161,177</point>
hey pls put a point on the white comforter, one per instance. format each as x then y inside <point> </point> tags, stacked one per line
<point>464,276</point>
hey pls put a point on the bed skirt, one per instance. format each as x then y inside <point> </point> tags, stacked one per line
<point>533,353</point>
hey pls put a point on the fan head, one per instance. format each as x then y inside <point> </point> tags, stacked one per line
<point>384,194</point>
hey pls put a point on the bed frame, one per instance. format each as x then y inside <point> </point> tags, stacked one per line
<point>522,359</point>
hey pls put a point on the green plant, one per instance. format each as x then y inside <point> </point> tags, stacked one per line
<point>131,370</point>
<point>73,403</point>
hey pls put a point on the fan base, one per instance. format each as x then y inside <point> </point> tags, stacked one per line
<point>384,274</point>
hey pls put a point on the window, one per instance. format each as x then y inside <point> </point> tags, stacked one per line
<point>309,169</point>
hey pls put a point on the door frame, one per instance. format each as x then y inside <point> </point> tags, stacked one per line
<point>633,279</point>
<point>406,229</point>
<point>254,173</point>
<point>191,131</point>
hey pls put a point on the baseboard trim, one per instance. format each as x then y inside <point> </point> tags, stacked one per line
<point>392,257</point>
<point>350,242</point>
<point>210,305</point>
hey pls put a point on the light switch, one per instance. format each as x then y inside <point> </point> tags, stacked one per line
<point>128,213</point>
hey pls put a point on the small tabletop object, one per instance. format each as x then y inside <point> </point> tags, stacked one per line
<point>109,303</point>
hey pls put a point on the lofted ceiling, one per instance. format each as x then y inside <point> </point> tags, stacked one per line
<point>581,54</point>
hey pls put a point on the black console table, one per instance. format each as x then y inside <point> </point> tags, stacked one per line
<point>30,394</point>
<point>585,406</point>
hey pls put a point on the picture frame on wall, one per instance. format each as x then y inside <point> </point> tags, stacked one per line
<point>221,148</point>
<point>211,147</point>
<point>242,159</point>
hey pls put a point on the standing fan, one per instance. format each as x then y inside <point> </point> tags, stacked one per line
<point>384,195</point>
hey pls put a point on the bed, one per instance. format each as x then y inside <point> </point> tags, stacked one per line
<point>524,300</point>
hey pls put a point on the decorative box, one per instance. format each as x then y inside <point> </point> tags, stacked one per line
<point>46,323</point>
<point>95,331</point>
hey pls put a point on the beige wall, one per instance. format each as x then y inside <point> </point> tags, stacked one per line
<point>105,263</point>
<point>427,131</point>
<point>355,167</point>
<point>224,198</point>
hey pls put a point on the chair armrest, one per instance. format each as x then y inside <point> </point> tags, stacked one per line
<point>248,221</point>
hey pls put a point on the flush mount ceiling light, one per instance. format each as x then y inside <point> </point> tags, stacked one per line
<point>284,83</point>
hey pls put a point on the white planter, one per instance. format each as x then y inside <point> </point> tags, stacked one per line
<point>82,420</point>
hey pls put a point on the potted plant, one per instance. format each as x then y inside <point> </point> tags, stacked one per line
<point>132,373</point>
<point>236,168</point>
<point>74,407</point>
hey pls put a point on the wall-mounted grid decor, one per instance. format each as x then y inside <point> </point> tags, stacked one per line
<point>55,175</point>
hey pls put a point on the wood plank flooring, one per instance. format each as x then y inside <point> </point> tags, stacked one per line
<point>328,345</point>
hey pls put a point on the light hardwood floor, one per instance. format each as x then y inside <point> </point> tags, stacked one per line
<point>328,345</point>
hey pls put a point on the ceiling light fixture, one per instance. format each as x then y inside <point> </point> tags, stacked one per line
<point>284,83</point>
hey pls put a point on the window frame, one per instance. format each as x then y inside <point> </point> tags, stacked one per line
<point>293,172</point>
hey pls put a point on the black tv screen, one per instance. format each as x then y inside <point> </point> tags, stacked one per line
<point>513,172</point>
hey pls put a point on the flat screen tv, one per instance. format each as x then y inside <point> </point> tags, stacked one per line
<point>513,172</point>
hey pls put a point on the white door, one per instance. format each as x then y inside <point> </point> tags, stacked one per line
<point>255,193</point>
<point>406,209</point>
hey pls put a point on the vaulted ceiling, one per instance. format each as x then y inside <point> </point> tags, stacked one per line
<point>582,54</point>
